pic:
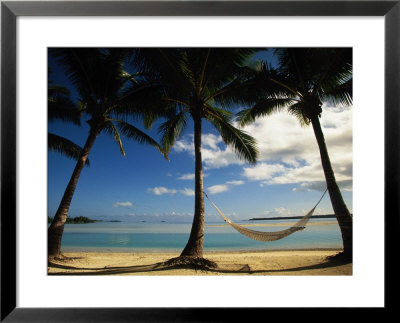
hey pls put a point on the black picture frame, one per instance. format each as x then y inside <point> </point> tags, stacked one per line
<point>10,10</point>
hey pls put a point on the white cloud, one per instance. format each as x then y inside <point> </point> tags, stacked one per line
<point>216,189</point>
<point>220,158</point>
<point>305,173</point>
<point>118,204</point>
<point>190,176</point>
<point>215,154</point>
<point>220,188</point>
<point>211,141</point>
<point>186,176</point>
<point>288,152</point>
<point>304,187</point>
<point>161,190</point>
<point>263,171</point>
<point>280,211</point>
<point>187,192</point>
<point>346,185</point>
<point>184,145</point>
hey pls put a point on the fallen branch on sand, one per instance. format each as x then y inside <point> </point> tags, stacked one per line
<point>195,263</point>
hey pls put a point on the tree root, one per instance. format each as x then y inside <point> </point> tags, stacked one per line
<point>189,262</point>
<point>62,258</point>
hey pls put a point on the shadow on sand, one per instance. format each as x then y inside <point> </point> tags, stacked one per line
<point>229,269</point>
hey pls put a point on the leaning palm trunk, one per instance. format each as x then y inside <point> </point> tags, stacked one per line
<point>56,228</point>
<point>342,213</point>
<point>194,246</point>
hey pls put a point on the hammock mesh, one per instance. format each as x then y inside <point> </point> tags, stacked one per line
<point>268,236</point>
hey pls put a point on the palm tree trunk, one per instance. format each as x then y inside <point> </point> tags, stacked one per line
<point>194,246</point>
<point>342,213</point>
<point>56,228</point>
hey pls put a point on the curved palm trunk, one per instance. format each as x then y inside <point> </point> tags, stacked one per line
<point>56,228</point>
<point>342,213</point>
<point>194,246</point>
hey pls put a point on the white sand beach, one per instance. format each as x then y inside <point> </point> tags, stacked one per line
<point>279,262</point>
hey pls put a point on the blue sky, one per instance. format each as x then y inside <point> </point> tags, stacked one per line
<point>286,181</point>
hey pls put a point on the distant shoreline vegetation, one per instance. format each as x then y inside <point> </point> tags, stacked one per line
<point>294,217</point>
<point>80,220</point>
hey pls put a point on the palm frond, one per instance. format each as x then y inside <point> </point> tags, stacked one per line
<point>297,110</point>
<point>222,65</point>
<point>263,108</point>
<point>144,100</point>
<point>97,73</point>
<point>165,65</point>
<point>304,78</point>
<point>172,128</point>
<point>202,82</point>
<point>338,68</point>
<point>62,108</point>
<point>341,94</point>
<point>113,76</point>
<point>298,66</point>
<point>318,69</point>
<point>111,130</point>
<point>270,82</point>
<point>54,90</point>
<point>64,146</point>
<point>131,132</point>
<point>80,65</point>
<point>240,90</point>
<point>243,144</point>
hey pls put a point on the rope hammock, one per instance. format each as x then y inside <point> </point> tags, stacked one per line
<point>269,236</point>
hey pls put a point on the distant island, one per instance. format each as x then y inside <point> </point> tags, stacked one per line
<point>77,220</point>
<point>294,217</point>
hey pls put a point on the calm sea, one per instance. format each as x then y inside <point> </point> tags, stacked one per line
<point>163,236</point>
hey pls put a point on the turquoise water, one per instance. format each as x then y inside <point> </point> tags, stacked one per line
<point>158,237</point>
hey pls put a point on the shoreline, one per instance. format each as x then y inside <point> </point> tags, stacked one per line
<point>248,262</point>
<point>177,251</point>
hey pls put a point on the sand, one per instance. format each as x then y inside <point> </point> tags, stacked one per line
<point>279,262</point>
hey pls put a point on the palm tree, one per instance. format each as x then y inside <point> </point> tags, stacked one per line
<point>195,80</point>
<point>109,95</point>
<point>303,80</point>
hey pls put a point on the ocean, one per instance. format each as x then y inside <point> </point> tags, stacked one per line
<point>172,237</point>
